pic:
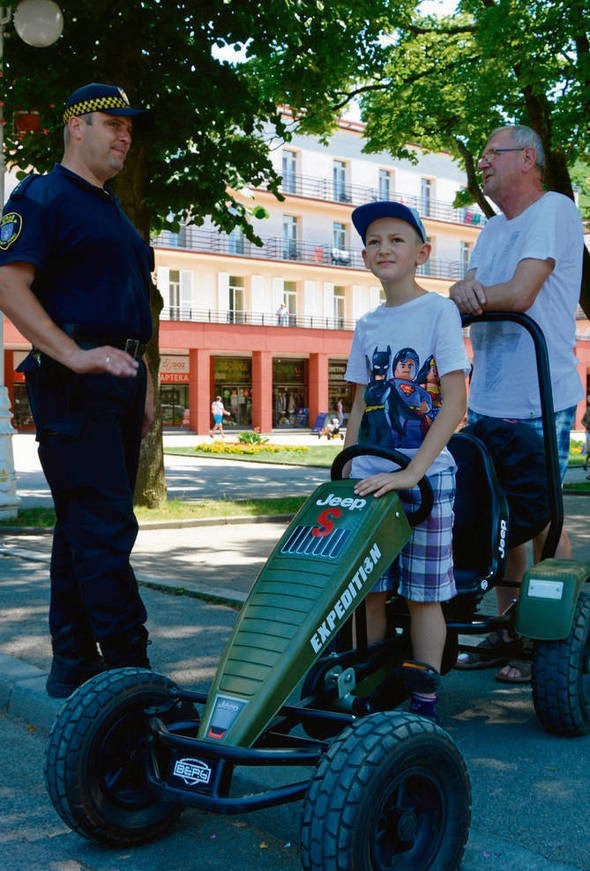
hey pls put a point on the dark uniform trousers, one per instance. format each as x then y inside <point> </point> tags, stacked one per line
<point>89,433</point>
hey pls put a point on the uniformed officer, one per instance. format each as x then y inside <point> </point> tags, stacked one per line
<point>74,279</point>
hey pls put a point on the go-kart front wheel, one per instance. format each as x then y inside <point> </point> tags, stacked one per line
<point>95,766</point>
<point>561,677</point>
<point>392,791</point>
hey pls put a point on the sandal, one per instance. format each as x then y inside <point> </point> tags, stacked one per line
<point>522,666</point>
<point>495,642</point>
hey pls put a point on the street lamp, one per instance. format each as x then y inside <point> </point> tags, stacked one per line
<point>38,23</point>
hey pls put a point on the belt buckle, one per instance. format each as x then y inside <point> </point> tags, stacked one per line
<point>132,347</point>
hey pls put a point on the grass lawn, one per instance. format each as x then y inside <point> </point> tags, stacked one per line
<point>292,455</point>
<point>175,509</point>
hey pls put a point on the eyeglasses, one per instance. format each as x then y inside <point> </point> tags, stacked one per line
<point>492,153</point>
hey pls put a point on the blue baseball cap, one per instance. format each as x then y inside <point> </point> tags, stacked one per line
<point>362,216</point>
<point>99,98</point>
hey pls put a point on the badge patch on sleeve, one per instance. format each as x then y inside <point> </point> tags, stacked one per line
<point>10,227</point>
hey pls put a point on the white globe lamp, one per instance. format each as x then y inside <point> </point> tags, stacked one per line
<point>38,22</point>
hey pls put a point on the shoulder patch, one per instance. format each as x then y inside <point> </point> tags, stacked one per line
<point>10,228</point>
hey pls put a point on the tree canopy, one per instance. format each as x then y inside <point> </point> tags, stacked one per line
<point>441,83</point>
<point>446,83</point>
<point>209,117</point>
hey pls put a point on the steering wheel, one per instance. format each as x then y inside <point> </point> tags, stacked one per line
<point>427,498</point>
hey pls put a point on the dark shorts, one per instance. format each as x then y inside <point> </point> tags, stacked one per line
<point>517,452</point>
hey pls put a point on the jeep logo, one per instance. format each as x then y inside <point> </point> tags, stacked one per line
<point>353,504</point>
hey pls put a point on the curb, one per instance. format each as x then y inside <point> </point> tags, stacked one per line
<point>166,524</point>
<point>23,695</point>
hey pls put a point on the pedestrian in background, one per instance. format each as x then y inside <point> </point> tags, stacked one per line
<point>218,411</point>
<point>282,315</point>
<point>74,279</point>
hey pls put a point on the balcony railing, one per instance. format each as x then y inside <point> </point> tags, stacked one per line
<point>276,248</point>
<point>316,188</point>
<point>257,319</point>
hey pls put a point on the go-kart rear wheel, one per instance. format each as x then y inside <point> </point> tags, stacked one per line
<point>391,792</point>
<point>95,766</point>
<point>561,677</point>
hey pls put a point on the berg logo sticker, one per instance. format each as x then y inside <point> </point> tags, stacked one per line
<point>10,228</point>
<point>192,771</point>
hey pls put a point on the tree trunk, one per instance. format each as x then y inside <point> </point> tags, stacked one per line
<point>150,489</point>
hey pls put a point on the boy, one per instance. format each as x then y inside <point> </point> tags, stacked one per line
<point>398,351</point>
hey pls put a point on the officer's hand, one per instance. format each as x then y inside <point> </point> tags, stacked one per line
<point>93,361</point>
<point>469,296</point>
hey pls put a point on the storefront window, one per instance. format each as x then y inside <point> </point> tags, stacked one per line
<point>174,401</point>
<point>233,382</point>
<point>338,387</point>
<point>21,411</point>
<point>290,393</point>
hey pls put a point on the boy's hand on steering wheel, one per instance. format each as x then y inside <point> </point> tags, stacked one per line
<point>384,482</point>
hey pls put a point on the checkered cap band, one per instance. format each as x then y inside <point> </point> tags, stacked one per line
<point>96,104</point>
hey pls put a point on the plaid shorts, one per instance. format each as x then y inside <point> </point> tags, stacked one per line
<point>564,422</point>
<point>423,571</point>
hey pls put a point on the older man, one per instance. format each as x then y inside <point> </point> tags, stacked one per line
<point>527,259</point>
<point>74,279</point>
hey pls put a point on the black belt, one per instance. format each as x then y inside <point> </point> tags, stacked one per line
<point>134,347</point>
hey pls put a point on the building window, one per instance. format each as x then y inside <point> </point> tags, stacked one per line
<point>237,299</point>
<point>339,297</point>
<point>340,252</point>
<point>339,177</point>
<point>426,268</point>
<point>290,233</point>
<point>425,196</point>
<point>236,241</point>
<point>174,294</point>
<point>289,182</point>
<point>464,255</point>
<point>290,300</point>
<point>385,186</point>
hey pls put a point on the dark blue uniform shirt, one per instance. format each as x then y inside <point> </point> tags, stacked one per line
<point>92,266</point>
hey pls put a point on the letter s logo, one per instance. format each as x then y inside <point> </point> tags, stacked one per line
<point>325,522</point>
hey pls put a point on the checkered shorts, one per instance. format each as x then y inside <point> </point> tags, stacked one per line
<point>564,422</point>
<point>423,571</point>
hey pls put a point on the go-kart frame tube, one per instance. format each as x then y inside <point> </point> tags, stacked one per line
<point>304,752</point>
<point>547,416</point>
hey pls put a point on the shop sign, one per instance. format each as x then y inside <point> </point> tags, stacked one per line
<point>237,370</point>
<point>174,369</point>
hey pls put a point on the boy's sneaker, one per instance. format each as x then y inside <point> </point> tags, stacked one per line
<point>425,706</point>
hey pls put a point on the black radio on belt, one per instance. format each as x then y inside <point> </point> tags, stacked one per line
<point>134,347</point>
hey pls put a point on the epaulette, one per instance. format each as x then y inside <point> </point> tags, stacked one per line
<point>21,188</point>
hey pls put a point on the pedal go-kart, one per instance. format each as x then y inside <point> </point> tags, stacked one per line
<point>297,686</point>
<point>129,749</point>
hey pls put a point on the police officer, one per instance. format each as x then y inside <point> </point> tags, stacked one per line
<point>74,279</point>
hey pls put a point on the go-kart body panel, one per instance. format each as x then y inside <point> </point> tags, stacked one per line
<point>324,565</point>
<point>548,598</point>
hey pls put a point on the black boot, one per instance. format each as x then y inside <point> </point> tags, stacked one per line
<point>126,649</point>
<point>75,660</point>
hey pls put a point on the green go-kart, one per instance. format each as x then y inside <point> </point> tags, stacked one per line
<point>298,686</point>
<point>381,789</point>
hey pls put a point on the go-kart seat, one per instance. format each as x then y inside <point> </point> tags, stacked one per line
<point>481,518</point>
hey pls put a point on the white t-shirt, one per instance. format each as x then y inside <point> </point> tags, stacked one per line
<point>400,353</point>
<point>504,382</point>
